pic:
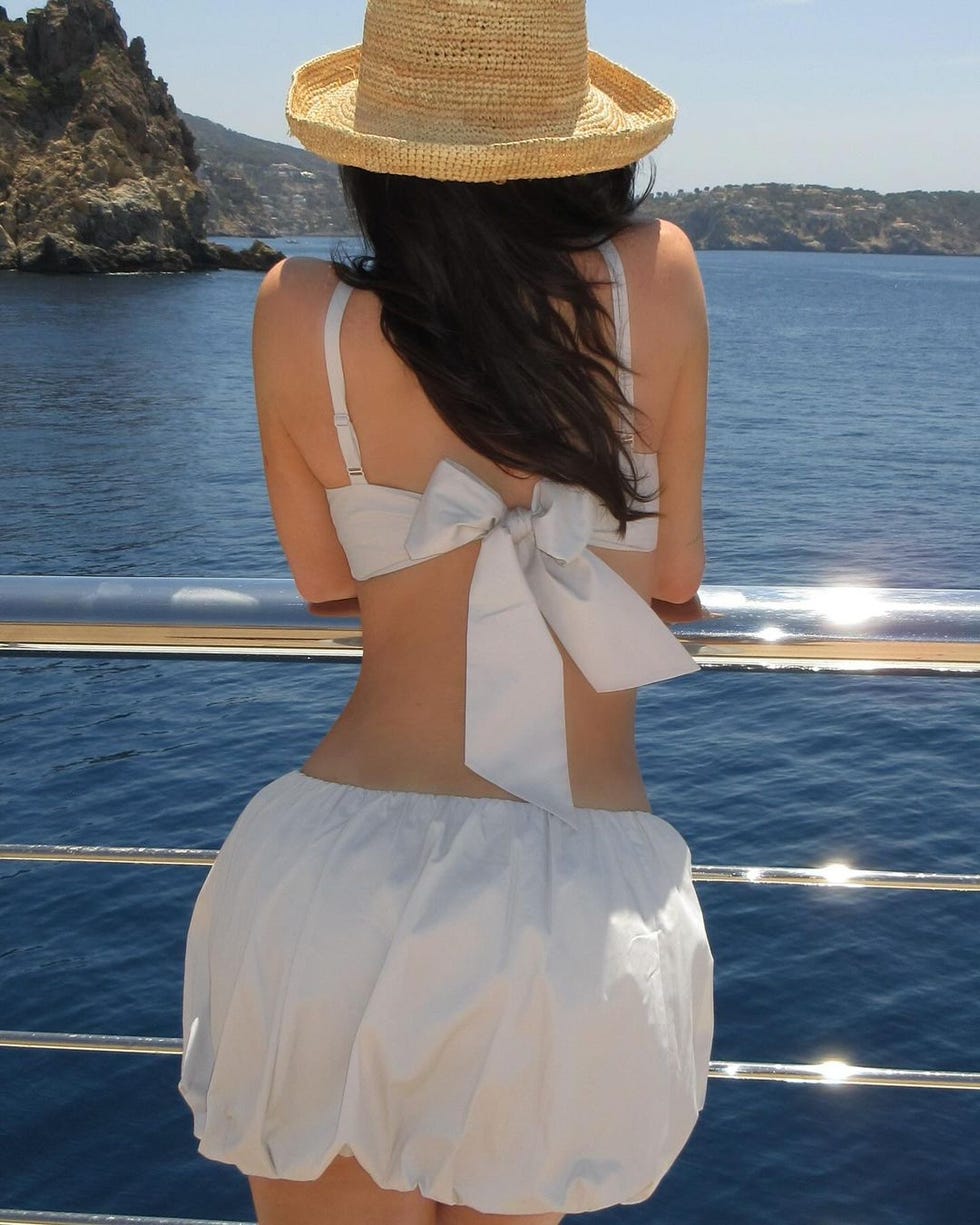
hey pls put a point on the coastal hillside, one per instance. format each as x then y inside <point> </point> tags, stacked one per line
<point>97,169</point>
<point>261,187</point>
<point>783,217</point>
<point>264,187</point>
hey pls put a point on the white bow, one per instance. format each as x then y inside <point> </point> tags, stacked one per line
<point>535,570</point>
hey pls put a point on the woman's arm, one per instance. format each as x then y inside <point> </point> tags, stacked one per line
<point>292,398</point>
<point>678,562</point>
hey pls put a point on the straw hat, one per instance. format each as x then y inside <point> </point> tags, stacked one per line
<point>476,90</point>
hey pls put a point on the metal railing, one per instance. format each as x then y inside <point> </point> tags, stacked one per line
<point>828,629</point>
<point>831,875</point>
<point>841,629</point>
<point>829,1072</point>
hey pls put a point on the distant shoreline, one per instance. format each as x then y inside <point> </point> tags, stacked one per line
<point>220,236</point>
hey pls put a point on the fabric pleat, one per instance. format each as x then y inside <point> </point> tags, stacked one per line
<point>471,996</point>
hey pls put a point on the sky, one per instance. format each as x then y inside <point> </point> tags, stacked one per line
<point>881,94</point>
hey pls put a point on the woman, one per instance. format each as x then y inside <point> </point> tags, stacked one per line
<point>453,968</point>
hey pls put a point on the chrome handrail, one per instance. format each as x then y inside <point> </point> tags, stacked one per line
<point>830,1072</point>
<point>831,875</point>
<point>840,629</point>
<point>113,1044</point>
<point>41,853</point>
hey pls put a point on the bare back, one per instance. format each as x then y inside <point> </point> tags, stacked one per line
<point>403,727</point>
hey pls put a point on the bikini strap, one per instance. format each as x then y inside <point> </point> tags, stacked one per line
<point>338,386</point>
<point>621,319</point>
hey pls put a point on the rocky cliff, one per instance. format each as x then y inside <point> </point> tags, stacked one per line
<point>97,169</point>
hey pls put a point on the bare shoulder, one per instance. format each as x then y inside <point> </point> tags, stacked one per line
<point>664,261</point>
<point>291,289</point>
<point>659,239</point>
<point>287,334</point>
<point>287,339</point>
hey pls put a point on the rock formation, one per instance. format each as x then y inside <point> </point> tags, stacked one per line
<point>259,257</point>
<point>97,169</point>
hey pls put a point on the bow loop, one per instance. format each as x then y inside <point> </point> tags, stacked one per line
<point>455,509</point>
<point>564,519</point>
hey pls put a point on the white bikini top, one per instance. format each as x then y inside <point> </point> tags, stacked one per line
<point>535,576</point>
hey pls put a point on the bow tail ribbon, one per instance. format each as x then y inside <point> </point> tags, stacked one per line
<point>627,645</point>
<point>515,697</point>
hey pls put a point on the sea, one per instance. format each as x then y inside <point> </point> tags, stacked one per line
<point>844,447</point>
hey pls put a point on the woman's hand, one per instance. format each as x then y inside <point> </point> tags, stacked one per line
<point>677,614</point>
<point>335,608</point>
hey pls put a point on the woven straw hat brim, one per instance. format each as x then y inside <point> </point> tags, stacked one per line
<point>622,119</point>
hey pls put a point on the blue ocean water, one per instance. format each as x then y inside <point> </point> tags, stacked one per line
<point>844,441</point>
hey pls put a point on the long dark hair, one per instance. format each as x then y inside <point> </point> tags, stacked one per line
<point>466,274</point>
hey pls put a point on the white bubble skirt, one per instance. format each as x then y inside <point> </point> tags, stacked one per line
<point>473,997</point>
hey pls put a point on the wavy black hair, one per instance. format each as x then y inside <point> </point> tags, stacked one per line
<point>468,275</point>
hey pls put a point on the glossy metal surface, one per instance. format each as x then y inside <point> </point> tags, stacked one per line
<point>835,1072</point>
<point>830,876</point>
<point>108,1043</point>
<point>838,876</point>
<point>840,629</point>
<point>41,853</point>
<point>830,1072</point>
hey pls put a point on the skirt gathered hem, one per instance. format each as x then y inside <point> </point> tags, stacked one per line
<point>503,1200</point>
<point>471,997</point>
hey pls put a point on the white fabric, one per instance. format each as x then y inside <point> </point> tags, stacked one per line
<point>468,995</point>
<point>621,317</point>
<point>359,511</point>
<point>349,446</point>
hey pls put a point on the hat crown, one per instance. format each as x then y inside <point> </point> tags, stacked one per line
<point>485,71</point>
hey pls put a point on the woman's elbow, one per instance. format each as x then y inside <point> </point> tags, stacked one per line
<point>675,591</point>
<point>313,589</point>
<point>678,582</point>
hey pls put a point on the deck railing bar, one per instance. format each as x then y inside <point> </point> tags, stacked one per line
<point>905,664</point>
<point>840,629</point>
<point>113,1044</point>
<point>12,1216</point>
<point>834,1072</point>
<point>839,876</point>
<point>832,875</point>
<point>176,856</point>
<point>831,1072</point>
